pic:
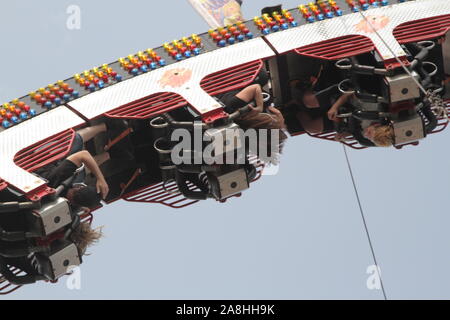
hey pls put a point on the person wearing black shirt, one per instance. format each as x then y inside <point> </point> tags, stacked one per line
<point>237,99</point>
<point>57,173</point>
<point>83,196</point>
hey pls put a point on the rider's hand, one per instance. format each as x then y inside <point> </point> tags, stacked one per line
<point>332,114</point>
<point>102,188</point>
<point>277,113</point>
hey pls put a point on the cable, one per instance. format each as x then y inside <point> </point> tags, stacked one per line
<point>363,219</point>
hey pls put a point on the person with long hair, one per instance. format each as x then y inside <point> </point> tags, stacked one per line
<point>256,118</point>
<point>85,236</point>
<point>317,101</point>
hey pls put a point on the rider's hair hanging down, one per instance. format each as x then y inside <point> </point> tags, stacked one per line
<point>383,136</point>
<point>84,236</point>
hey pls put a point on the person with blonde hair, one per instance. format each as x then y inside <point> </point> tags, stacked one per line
<point>381,135</point>
<point>84,236</point>
<point>376,134</point>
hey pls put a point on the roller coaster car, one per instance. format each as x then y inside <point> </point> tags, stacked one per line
<point>394,65</point>
<point>392,96</point>
<point>35,238</point>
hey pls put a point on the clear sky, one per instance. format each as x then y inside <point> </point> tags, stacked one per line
<point>296,235</point>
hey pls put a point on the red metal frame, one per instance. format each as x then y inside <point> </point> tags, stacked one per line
<point>45,152</point>
<point>214,115</point>
<point>156,193</point>
<point>392,64</point>
<point>338,48</point>
<point>6,287</point>
<point>352,143</point>
<point>234,78</point>
<point>223,81</point>
<point>3,185</point>
<point>424,29</point>
<point>149,107</point>
<point>331,135</point>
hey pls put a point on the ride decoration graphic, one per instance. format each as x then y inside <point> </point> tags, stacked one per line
<point>373,23</point>
<point>175,78</point>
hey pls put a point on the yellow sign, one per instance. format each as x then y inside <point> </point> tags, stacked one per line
<point>218,13</point>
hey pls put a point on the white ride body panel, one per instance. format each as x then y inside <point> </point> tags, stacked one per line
<point>26,134</point>
<point>95,104</point>
<point>398,13</point>
<point>98,103</point>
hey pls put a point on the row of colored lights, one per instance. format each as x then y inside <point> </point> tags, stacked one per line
<point>230,34</point>
<point>365,4</point>
<point>142,62</point>
<point>328,9</point>
<point>276,22</point>
<point>184,48</point>
<point>15,112</point>
<point>54,95</point>
<point>97,78</point>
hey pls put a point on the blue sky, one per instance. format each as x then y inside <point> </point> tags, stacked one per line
<point>296,235</point>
